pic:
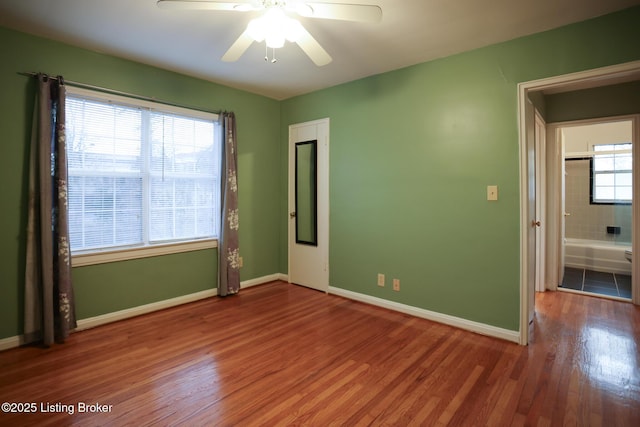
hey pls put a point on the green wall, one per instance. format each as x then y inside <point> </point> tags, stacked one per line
<point>607,101</point>
<point>411,154</point>
<point>110,287</point>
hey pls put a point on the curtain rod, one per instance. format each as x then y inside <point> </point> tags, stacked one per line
<point>121,93</point>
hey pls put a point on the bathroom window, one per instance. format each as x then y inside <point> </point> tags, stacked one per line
<point>611,174</point>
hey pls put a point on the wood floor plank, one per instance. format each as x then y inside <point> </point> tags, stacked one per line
<point>459,398</point>
<point>279,354</point>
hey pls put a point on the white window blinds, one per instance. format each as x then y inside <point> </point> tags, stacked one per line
<point>139,176</point>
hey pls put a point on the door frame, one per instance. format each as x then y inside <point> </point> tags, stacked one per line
<point>531,214</point>
<point>524,88</point>
<point>322,200</point>
<point>541,198</point>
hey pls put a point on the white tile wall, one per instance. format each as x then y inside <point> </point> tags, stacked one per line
<point>590,221</point>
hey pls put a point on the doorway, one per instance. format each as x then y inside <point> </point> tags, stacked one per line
<point>597,176</point>
<point>309,204</point>
<point>552,251</point>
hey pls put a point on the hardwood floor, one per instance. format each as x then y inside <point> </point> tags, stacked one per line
<point>280,354</point>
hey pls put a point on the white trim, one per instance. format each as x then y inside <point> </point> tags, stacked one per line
<point>554,255</point>
<point>593,75</point>
<point>524,214</point>
<point>264,279</point>
<point>469,325</point>
<point>603,73</point>
<point>11,342</point>
<point>635,216</point>
<point>104,257</point>
<point>541,196</point>
<point>103,319</point>
<point>160,305</point>
<point>581,154</point>
<point>594,121</point>
<point>135,102</point>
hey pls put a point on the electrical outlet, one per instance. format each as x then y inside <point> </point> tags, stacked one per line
<point>396,285</point>
<point>380,280</point>
<point>240,262</point>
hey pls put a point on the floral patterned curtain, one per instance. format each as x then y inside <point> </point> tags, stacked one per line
<point>49,301</point>
<point>228,250</point>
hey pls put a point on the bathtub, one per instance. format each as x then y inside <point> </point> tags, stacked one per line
<point>596,255</point>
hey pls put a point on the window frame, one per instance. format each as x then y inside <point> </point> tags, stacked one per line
<point>123,253</point>
<point>593,173</point>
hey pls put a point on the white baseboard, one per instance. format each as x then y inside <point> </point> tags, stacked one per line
<point>457,322</point>
<point>148,308</point>
<point>103,319</point>
<point>262,280</point>
<point>10,342</point>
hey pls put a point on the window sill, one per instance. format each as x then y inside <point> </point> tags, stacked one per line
<point>81,260</point>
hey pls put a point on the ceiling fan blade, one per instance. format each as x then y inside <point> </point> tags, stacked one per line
<point>238,47</point>
<point>312,48</point>
<point>341,11</point>
<point>240,6</point>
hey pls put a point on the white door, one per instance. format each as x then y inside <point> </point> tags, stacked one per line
<point>533,222</point>
<point>540,183</point>
<point>554,199</point>
<point>309,204</point>
<point>563,208</point>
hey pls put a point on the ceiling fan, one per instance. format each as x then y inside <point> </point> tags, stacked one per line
<point>275,26</point>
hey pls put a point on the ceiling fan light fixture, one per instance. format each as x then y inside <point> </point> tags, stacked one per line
<point>243,7</point>
<point>274,27</point>
<point>275,41</point>
<point>294,30</point>
<point>256,29</point>
<point>304,9</point>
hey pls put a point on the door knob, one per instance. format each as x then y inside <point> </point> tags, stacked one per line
<point>292,214</point>
<point>535,223</point>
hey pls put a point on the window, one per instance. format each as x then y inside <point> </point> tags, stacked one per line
<point>611,174</point>
<point>140,174</point>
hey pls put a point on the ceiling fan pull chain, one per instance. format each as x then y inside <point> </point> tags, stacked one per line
<point>266,54</point>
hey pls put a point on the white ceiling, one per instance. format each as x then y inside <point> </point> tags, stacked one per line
<point>192,42</point>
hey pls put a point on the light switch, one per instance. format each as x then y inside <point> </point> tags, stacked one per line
<point>492,192</point>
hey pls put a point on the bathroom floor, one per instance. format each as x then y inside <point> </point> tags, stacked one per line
<point>597,282</point>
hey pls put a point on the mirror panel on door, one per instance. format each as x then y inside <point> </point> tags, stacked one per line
<point>306,189</point>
